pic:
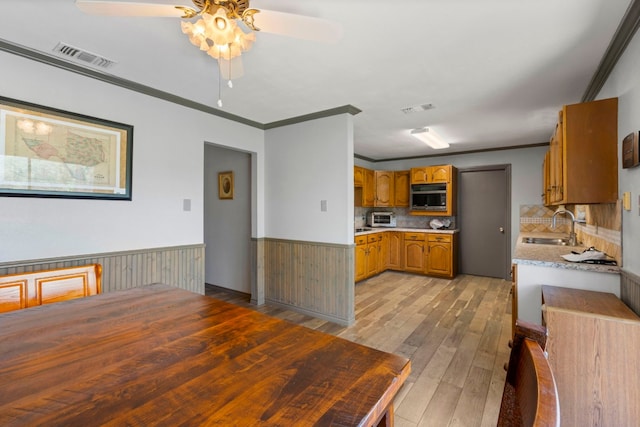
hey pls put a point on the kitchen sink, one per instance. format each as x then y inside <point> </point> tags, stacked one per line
<point>361,229</point>
<point>562,241</point>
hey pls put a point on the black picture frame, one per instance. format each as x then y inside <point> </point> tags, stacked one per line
<point>47,152</point>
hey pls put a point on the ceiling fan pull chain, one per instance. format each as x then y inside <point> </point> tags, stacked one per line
<point>219,88</point>
<point>229,82</point>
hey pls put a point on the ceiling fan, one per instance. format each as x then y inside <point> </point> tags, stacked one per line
<point>217,32</point>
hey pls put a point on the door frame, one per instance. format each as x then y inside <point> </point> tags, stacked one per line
<point>507,169</point>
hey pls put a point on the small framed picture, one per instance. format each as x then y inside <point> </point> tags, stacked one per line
<point>225,185</point>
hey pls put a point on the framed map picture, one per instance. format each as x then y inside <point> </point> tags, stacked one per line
<point>46,152</point>
<point>225,185</point>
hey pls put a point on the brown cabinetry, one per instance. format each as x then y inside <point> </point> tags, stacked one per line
<point>431,174</point>
<point>440,260</point>
<point>358,176</point>
<point>369,255</point>
<point>385,186</point>
<point>401,188</point>
<point>396,242</point>
<point>583,157</point>
<point>593,345</point>
<point>380,188</point>
<point>414,253</point>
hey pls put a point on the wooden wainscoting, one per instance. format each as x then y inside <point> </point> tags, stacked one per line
<point>310,277</point>
<point>181,266</point>
<point>630,290</point>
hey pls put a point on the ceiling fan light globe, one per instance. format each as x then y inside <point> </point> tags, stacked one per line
<point>220,23</point>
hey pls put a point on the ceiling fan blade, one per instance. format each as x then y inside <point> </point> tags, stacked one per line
<point>297,26</point>
<point>119,8</point>
<point>231,69</point>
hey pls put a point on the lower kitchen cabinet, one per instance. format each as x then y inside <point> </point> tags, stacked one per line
<point>373,254</point>
<point>396,246</point>
<point>369,256</point>
<point>360,271</point>
<point>440,255</point>
<point>432,254</point>
<point>414,254</point>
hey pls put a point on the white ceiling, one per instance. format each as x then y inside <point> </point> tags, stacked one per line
<point>497,71</point>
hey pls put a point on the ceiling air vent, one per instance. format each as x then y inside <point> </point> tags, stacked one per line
<point>82,56</point>
<point>417,108</point>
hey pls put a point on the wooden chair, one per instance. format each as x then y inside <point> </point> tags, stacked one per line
<point>530,397</point>
<point>29,289</point>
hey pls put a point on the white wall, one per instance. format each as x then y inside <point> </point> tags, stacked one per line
<point>306,163</point>
<point>167,168</point>
<point>227,222</point>
<point>526,174</point>
<point>624,82</point>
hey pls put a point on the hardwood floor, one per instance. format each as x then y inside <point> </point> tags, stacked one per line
<point>454,331</point>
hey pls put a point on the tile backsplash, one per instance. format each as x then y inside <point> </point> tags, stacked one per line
<point>403,218</point>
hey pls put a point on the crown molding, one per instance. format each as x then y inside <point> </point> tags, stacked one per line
<point>34,55</point>
<point>623,35</point>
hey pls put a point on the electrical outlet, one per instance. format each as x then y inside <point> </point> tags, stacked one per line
<point>323,205</point>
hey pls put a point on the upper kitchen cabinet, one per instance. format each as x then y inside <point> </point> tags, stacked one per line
<point>358,176</point>
<point>380,188</point>
<point>385,188</point>
<point>431,174</point>
<point>401,191</point>
<point>364,181</point>
<point>582,163</point>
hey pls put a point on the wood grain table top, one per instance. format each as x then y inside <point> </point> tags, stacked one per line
<point>158,355</point>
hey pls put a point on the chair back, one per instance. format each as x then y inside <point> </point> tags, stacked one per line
<point>530,397</point>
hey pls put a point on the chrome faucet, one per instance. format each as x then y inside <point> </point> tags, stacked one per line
<point>573,241</point>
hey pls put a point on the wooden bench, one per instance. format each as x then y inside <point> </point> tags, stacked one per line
<point>24,290</point>
<point>530,396</point>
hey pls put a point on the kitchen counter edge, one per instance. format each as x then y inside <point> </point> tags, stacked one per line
<point>551,255</point>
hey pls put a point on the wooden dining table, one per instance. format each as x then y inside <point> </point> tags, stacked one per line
<point>159,355</point>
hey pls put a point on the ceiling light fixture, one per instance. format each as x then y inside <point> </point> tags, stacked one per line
<point>429,137</point>
<point>217,33</point>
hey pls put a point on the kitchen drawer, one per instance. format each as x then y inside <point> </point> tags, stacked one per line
<point>372,238</point>
<point>414,236</point>
<point>440,238</point>
<point>361,240</point>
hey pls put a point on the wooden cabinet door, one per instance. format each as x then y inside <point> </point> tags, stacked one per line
<point>414,254</point>
<point>361,262</point>
<point>395,250</point>
<point>439,258</point>
<point>384,188</point>
<point>401,188</point>
<point>373,258</point>
<point>420,175</point>
<point>556,148</point>
<point>440,173</point>
<point>358,176</point>
<point>369,188</point>
<point>546,183</point>
<point>383,252</point>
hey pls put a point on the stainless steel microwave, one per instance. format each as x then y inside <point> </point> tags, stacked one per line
<point>429,197</point>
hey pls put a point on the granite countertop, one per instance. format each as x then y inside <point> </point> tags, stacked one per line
<point>423,230</point>
<point>551,255</point>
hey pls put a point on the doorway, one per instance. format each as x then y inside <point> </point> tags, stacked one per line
<point>227,218</point>
<point>484,220</point>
